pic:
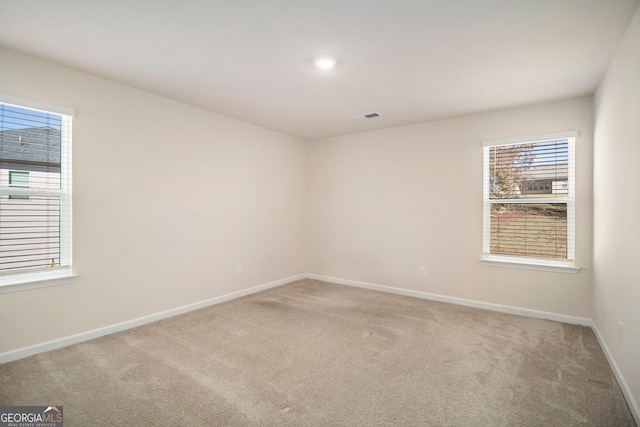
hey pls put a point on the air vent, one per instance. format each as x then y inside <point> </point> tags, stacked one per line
<point>365,116</point>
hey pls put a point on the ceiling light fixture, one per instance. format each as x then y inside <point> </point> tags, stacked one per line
<point>324,62</point>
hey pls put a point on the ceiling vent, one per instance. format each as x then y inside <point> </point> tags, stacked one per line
<point>365,116</point>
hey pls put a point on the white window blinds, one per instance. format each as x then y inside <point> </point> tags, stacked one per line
<point>35,190</point>
<point>529,208</point>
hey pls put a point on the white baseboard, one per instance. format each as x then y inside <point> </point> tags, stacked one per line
<point>118,327</point>
<point>459,301</point>
<point>631,401</point>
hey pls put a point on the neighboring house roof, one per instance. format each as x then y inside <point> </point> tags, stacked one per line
<point>38,146</point>
<point>556,172</point>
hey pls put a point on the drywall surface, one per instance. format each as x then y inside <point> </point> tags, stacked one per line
<point>383,203</point>
<point>617,209</point>
<point>168,200</point>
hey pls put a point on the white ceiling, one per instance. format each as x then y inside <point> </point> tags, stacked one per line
<point>410,61</point>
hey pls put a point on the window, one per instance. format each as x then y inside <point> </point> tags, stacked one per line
<point>35,193</point>
<point>18,179</point>
<point>529,206</point>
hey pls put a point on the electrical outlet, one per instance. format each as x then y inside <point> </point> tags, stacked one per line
<point>239,270</point>
<point>620,332</point>
<point>423,271</point>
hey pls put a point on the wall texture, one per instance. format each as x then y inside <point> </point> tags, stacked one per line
<point>168,199</point>
<point>617,209</point>
<point>383,203</point>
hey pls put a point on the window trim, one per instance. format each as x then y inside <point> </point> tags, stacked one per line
<point>528,263</point>
<point>24,281</point>
<point>523,262</point>
<point>20,281</point>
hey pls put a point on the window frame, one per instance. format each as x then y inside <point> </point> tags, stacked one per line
<point>63,274</point>
<point>533,263</point>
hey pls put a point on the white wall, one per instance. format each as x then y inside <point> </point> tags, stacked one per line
<point>617,209</point>
<point>168,199</point>
<point>383,203</point>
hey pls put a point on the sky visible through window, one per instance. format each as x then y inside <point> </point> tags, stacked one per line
<point>20,118</point>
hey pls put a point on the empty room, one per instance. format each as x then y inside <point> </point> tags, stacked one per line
<point>346,213</point>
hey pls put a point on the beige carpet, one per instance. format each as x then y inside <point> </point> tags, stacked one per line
<point>316,354</point>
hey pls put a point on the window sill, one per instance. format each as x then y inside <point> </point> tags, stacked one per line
<point>530,263</point>
<point>26,281</point>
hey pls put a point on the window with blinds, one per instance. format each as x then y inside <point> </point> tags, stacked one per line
<point>35,190</point>
<point>529,208</point>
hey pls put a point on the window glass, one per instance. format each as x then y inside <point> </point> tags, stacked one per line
<point>528,197</point>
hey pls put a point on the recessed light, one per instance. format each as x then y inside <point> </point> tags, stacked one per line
<point>325,62</point>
